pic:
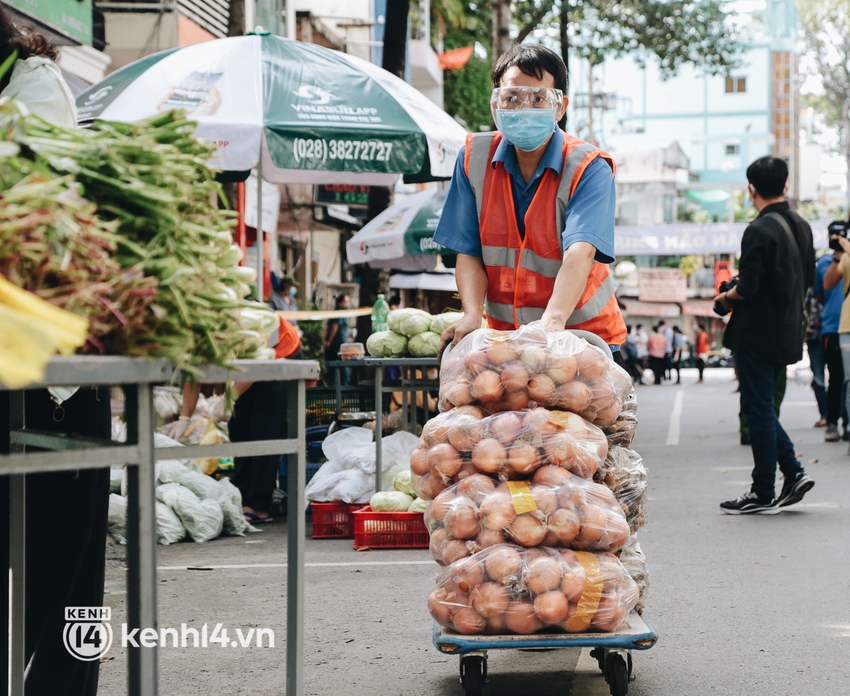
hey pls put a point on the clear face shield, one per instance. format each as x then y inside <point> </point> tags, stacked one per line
<point>526,116</point>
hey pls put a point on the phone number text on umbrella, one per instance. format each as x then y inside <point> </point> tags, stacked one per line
<point>322,150</point>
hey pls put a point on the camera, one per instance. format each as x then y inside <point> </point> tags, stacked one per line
<point>725,286</point>
<point>837,228</point>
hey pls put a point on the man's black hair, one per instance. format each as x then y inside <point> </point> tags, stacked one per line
<point>677,329</point>
<point>533,60</point>
<point>768,176</point>
<point>662,323</point>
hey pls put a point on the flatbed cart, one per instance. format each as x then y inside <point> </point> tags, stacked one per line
<point>613,651</point>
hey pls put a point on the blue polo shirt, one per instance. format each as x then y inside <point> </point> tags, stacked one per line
<point>831,313</point>
<point>589,215</point>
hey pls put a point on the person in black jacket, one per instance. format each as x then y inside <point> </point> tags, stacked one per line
<point>767,330</point>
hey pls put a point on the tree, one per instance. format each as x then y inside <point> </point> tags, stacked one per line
<point>826,34</point>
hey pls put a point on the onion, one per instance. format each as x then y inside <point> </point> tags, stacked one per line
<point>546,499</point>
<point>598,443</point>
<point>503,564</point>
<point>477,362</point>
<point>489,537</point>
<point>438,538</point>
<point>452,364</point>
<point>574,396</point>
<point>465,432</point>
<point>472,411</point>
<point>490,599</point>
<point>584,463</point>
<point>444,460</point>
<point>551,475</point>
<point>534,358</point>
<point>466,469</point>
<point>430,486</point>
<point>500,353</point>
<point>468,621</point>
<point>527,530</point>
<point>419,461</point>
<point>439,607</point>
<point>603,494</point>
<point>476,487</point>
<point>612,571</point>
<point>608,414</point>
<point>497,511</point>
<point>442,504</point>
<point>487,387</point>
<point>462,519</point>
<point>541,388</point>
<point>610,614</point>
<point>488,455</point>
<point>506,427</point>
<point>466,574</point>
<point>535,419</point>
<point>435,431</point>
<point>593,523</point>
<point>459,392</point>
<point>617,530</point>
<point>560,448</point>
<point>571,495</point>
<point>592,364</point>
<point>542,574</point>
<point>565,525</point>
<point>561,368</point>
<point>522,458</point>
<point>514,376</point>
<point>496,625</point>
<point>520,618</point>
<point>551,607</point>
<point>513,401</point>
<point>453,550</point>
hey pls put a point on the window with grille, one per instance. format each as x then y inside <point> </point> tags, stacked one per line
<point>736,84</point>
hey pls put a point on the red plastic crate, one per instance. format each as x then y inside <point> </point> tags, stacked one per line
<point>333,520</point>
<point>389,530</point>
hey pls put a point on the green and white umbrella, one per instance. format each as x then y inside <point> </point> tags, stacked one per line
<point>402,236</point>
<point>303,113</point>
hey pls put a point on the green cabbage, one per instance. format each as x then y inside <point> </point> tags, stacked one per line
<point>409,321</point>
<point>403,482</point>
<point>390,501</point>
<point>418,505</point>
<point>424,345</point>
<point>386,344</point>
<point>441,322</point>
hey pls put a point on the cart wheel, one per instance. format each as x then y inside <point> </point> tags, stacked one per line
<point>473,670</point>
<point>599,654</point>
<point>617,674</point>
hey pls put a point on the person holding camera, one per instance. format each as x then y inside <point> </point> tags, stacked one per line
<point>830,301</point>
<point>766,332</point>
<point>839,270</point>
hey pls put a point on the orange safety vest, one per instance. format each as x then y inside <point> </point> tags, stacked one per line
<point>288,341</point>
<point>522,272</point>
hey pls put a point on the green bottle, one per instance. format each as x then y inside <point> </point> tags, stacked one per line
<point>379,315</point>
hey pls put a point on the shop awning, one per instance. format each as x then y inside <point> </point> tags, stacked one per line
<point>430,280</point>
<point>650,309</point>
<point>699,308</point>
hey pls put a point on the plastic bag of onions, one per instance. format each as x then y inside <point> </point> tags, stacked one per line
<point>555,509</point>
<point>509,371</point>
<point>634,562</point>
<point>624,474</point>
<point>507,589</point>
<point>622,431</point>
<point>510,445</point>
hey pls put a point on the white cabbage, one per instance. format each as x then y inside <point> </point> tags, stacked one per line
<point>386,344</point>
<point>441,322</point>
<point>390,501</point>
<point>409,321</point>
<point>424,345</point>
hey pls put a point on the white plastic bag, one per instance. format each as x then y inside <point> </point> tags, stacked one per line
<point>351,486</point>
<point>336,444</point>
<point>203,486</point>
<point>231,505</point>
<point>169,528</point>
<point>203,519</point>
<point>396,450</point>
<point>116,521</point>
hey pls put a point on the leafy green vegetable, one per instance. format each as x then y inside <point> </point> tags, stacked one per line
<point>386,344</point>
<point>441,322</point>
<point>390,501</point>
<point>424,345</point>
<point>409,321</point>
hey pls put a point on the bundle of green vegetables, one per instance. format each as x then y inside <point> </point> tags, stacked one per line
<point>170,269</point>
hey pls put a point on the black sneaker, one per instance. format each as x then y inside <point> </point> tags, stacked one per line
<point>750,504</point>
<point>831,434</point>
<point>794,489</point>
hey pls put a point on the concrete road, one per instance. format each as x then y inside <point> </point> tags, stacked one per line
<point>754,605</point>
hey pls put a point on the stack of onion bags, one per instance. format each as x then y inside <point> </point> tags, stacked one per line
<point>511,445</point>
<point>511,371</point>
<point>509,589</point>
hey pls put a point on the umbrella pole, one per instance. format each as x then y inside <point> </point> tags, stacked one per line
<point>240,220</point>
<point>260,239</point>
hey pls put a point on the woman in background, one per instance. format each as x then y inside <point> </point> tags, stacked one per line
<point>336,333</point>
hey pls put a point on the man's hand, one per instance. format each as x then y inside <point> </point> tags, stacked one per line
<point>553,322</point>
<point>176,429</point>
<point>723,301</point>
<point>453,334</point>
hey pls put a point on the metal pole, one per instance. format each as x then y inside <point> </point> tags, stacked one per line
<point>17,579</point>
<point>260,240</point>
<point>290,19</point>
<point>296,473</point>
<point>379,423</point>
<point>141,539</point>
